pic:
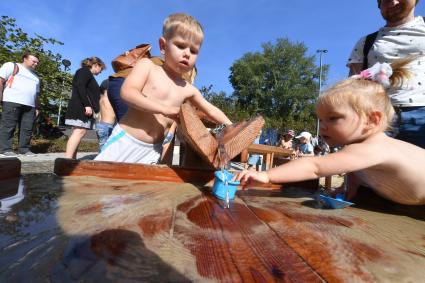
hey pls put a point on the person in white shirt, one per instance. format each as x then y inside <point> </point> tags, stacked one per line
<point>402,36</point>
<point>21,88</point>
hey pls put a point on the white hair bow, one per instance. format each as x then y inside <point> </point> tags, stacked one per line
<point>380,72</point>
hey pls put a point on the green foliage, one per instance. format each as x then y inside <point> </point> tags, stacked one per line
<point>281,83</point>
<point>14,42</point>
<point>226,103</point>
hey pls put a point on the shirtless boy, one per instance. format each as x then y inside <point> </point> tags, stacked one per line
<point>155,93</point>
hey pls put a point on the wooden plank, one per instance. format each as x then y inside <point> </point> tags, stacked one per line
<point>264,149</point>
<point>94,229</point>
<point>101,229</point>
<point>230,244</point>
<point>236,137</point>
<point>10,168</point>
<point>131,171</point>
<point>349,244</point>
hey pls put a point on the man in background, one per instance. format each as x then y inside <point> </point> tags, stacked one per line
<point>402,36</point>
<point>21,88</point>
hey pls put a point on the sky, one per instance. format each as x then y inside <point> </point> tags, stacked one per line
<point>232,28</point>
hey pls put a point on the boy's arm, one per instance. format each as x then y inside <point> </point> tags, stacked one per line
<point>131,91</point>
<point>210,110</point>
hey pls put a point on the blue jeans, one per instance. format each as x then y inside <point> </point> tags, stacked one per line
<point>16,114</point>
<point>103,131</point>
<point>114,89</point>
<point>410,125</point>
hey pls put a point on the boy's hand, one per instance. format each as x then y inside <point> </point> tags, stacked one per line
<point>249,177</point>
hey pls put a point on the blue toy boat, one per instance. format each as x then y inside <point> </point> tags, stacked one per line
<point>337,202</point>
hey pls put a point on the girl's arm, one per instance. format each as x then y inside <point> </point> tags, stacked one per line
<point>351,158</point>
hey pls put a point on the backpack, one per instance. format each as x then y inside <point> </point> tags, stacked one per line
<point>370,39</point>
<point>129,58</point>
<point>9,81</point>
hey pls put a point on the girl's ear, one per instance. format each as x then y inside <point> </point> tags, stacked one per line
<point>374,119</point>
<point>162,41</point>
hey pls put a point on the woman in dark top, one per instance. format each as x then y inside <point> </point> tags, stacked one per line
<point>84,102</point>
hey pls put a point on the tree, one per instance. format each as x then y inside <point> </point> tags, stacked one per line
<point>14,42</point>
<point>281,83</point>
<point>225,103</point>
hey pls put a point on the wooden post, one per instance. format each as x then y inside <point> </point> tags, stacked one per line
<point>236,137</point>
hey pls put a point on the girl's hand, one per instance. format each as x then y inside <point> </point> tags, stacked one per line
<point>249,177</point>
<point>88,111</point>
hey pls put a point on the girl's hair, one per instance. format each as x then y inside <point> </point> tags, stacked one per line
<point>180,23</point>
<point>89,62</point>
<point>365,96</point>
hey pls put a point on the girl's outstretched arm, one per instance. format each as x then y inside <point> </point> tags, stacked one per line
<point>351,158</point>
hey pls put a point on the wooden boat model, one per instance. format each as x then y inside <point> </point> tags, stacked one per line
<point>236,138</point>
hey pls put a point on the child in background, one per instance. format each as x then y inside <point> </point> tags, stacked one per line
<point>287,139</point>
<point>155,93</point>
<point>355,113</point>
<point>107,116</point>
<point>305,147</point>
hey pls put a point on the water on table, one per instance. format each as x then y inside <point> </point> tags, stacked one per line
<point>223,160</point>
<point>88,228</point>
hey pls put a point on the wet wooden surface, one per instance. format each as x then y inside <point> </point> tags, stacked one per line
<point>9,167</point>
<point>89,229</point>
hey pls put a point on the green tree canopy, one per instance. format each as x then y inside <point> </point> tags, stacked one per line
<point>14,42</point>
<point>281,83</point>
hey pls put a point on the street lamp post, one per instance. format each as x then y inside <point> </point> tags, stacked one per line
<point>66,63</point>
<point>321,51</point>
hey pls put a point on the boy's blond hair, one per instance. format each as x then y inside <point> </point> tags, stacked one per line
<point>180,23</point>
<point>366,96</point>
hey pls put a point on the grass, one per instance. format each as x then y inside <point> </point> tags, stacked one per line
<point>40,145</point>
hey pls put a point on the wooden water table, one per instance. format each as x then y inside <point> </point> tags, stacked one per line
<point>114,222</point>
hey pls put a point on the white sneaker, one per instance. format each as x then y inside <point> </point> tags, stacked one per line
<point>8,154</point>
<point>28,153</point>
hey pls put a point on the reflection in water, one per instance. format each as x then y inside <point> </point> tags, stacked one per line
<point>83,229</point>
<point>7,202</point>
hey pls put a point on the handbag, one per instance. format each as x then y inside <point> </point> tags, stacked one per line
<point>129,58</point>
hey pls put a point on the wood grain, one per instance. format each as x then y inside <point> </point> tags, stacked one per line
<point>131,171</point>
<point>93,229</point>
<point>236,137</point>
<point>9,168</point>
